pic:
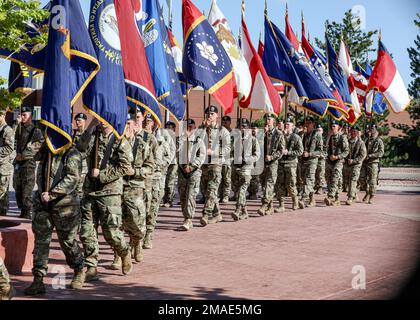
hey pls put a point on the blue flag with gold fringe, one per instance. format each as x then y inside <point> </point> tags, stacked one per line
<point>70,65</point>
<point>161,62</point>
<point>105,97</point>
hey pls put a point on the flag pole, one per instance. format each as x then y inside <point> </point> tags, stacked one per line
<point>286,103</point>
<point>48,178</point>
<point>187,107</point>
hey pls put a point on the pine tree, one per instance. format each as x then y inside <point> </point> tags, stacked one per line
<point>14,18</point>
<point>410,141</point>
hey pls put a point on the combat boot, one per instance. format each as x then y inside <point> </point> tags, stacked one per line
<point>147,244</point>
<point>187,225</point>
<point>36,287</point>
<point>263,210</point>
<point>349,202</point>
<point>216,219</point>
<point>366,198</point>
<point>236,214</point>
<point>167,205</point>
<point>7,292</point>
<point>328,201</point>
<point>280,209</point>
<point>244,214</point>
<point>91,274</point>
<point>225,199</point>
<point>116,264</point>
<point>301,204</point>
<point>78,279</point>
<point>370,201</point>
<point>127,265</point>
<point>138,251</point>
<point>204,221</point>
<point>337,203</point>
<point>270,209</point>
<point>295,203</point>
<point>312,202</point>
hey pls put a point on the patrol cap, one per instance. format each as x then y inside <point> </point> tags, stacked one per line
<point>149,116</point>
<point>80,116</point>
<point>131,116</point>
<point>26,109</point>
<point>170,124</point>
<point>346,125</point>
<point>373,126</point>
<point>270,115</point>
<point>289,120</point>
<point>335,122</point>
<point>226,119</point>
<point>300,124</point>
<point>355,127</point>
<point>211,109</point>
<point>190,122</point>
<point>254,125</point>
<point>244,123</point>
<point>318,126</point>
<point>310,119</point>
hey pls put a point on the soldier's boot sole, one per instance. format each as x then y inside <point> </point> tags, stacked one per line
<point>91,274</point>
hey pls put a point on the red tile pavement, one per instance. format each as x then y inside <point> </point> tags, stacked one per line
<point>306,254</point>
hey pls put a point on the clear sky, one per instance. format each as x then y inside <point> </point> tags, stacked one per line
<point>394,18</point>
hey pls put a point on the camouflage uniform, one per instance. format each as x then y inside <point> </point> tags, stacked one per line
<point>226,184</point>
<point>62,212</point>
<point>314,145</point>
<point>362,185</point>
<point>189,183</point>
<point>287,171</point>
<point>133,205</point>
<point>375,151</point>
<point>28,142</point>
<point>274,144</point>
<point>357,153</point>
<point>172,169</point>
<point>217,138</point>
<point>102,200</point>
<point>242,168</point>
<point>4,275</point>
<point>162,156</point>
<point>320,170</point>
<point>77,134</point>
<point>6,153</point>
<point>337,145</point>
<point>346,170</point>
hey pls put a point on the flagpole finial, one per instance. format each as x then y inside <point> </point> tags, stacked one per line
<point>265,7</point>
<point>243,8</point>
<point>287,9</point>
<point>303,18</point>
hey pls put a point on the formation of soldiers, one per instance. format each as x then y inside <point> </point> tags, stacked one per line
<point>119,184</point>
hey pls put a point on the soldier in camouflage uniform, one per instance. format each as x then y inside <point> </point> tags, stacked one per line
<point>226,184</point>
<point>218,145</point>
<point>337,150</point>
<point>375,151</point>
<point>109,160</point>
<point>247,153</point>
<point>300,130</point>
<point>80,119</point>
<point>57,206</point>
<point>346,169</point>
<point>6,289</point>
<point>287,170</point>
<point>191,156</point>
<point>172,175</point>
<point>354,160</point>
<point>274,145</point>
<point>362,185</point>
<point>320,169</point>
<point>28,142</point>
<point>162,155</point>
<point>254,185</point>
<point>6,152</point>
<point>313,147</point>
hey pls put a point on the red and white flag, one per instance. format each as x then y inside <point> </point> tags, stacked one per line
<point>263,95</point>
<point>346,65</point>
<point>386,79</point>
